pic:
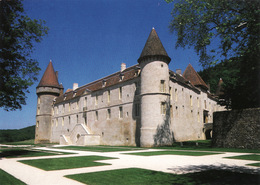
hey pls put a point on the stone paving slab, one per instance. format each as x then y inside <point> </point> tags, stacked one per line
<point>177,164</point>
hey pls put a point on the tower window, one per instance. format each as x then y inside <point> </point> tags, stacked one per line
<point>163,108</point>
<point>108,113</point>
<point>96,115</point>
<point>191,100</point>
<point>120,112</point>
<point>37,124</point>
<point>85,102</point>
<point>162,86</point>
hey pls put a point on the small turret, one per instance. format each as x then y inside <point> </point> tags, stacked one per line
<point>154,62</point>
<point>48,89</point>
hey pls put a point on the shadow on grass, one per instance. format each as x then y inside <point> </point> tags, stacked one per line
<point>199,168</point>
<point>15,153</point>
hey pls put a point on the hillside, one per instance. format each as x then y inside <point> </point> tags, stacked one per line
<point>13,135</point>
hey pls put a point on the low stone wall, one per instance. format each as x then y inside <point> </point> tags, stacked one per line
<point>237,129</point>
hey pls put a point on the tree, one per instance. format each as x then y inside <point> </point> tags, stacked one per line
<point>223,30</point>
<point>18,71</point>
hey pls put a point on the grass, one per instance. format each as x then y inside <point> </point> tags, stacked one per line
<point>204,145</point>
<point>26,152</point>
<point>26,142</point>
<point>101,148</point>
<point>136,176</point>
<point>7,179</point>
<point>173,153</point>
<point>254,164</point>
<point>66,162</point>
<point>253,157</point>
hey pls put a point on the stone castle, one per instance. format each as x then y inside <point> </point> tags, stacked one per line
<point>143,105</point>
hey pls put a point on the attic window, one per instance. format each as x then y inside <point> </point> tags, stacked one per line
<point>104,82</point>
<point>74,93</point>
<point>121,76</point>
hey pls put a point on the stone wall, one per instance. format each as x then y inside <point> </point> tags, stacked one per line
<point>237,129</point>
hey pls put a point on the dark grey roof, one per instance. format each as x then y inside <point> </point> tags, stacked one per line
<point>153,47</point>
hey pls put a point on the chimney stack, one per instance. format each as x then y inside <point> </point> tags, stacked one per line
<point>123,67</point>
<point>178,71</point>
<point>75,86</point>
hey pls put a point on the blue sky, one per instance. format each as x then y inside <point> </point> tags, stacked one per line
<point>89,39</point>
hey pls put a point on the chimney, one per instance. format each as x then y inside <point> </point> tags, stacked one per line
<point>178,71</point>
<point>75,86</point>
<point>123,67</point>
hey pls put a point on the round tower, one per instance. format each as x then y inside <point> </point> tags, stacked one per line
<point>154,62</point>
<point>47,90</point>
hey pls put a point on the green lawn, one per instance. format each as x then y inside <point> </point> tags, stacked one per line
<point>101,148</point>
<point>253,157</point>
<point>169,152</point>
<point>66,162</point>
<point>7,179</point>
<point>204,145</point>
<point>136,176</point>
<point>26,152</point>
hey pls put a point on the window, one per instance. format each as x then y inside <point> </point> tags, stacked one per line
<point>85,102</point>
<point>162,86</point>
<point>137,109</point>
<point>39,100</point>
<point>69,119</point>
<point>108,96</point>
<point>96,115</point>
<point>38,110</point>
<point>77,118</point>
<point>37,124</point>
<point>170,91</point>
<point>108,113</point>
<point>120,112</point>
<point>96,100</point>
<point>176,95</point>
<point>120,93</point>
<point>205,116</point>
<point>191,100</point>
<point>85,119</point>
<point>62,123</point>
<point>163,108</point>
<point>198,101</point>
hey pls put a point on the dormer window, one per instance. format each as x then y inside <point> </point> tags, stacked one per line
<point>74,93</point>
<point>104,83</point>
<point>121,76</point>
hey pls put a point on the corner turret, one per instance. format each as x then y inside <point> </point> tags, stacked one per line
<point>155,103</point>
<point>48,89</point>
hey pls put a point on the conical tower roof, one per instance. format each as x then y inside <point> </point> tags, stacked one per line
<point>195,79</point>
<point>49,78</point>
<point>153,47</point>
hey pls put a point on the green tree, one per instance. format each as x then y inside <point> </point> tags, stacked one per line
<point>223,30</point>
<point>18,71</point>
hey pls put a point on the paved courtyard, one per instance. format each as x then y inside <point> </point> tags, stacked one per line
<point>166,163</point>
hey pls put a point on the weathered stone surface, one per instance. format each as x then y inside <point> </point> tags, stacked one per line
<point>237,129</point>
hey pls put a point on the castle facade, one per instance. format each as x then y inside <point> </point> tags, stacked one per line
<point>143,105</point>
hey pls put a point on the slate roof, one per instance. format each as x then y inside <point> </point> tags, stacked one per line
<point>153,47</point>
<point>191,75</point>
<point>49,78</point>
